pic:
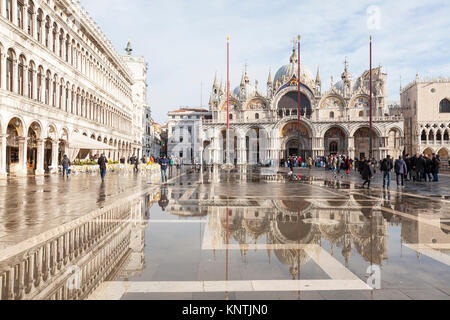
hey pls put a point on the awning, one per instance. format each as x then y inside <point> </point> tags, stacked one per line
<point>79,141</point>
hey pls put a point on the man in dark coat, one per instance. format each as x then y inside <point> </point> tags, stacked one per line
<point>102,161</point>
<point>420,168</point>
<point>400,170</point>
<point>366,173</point>
<point>436,164</point>
<point>386,168</point>
<point>428,169</point>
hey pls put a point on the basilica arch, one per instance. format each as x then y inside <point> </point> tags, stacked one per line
<point>336,141</point>
<point>289,139</point>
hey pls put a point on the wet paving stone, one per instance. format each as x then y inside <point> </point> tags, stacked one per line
<point>209,234</point>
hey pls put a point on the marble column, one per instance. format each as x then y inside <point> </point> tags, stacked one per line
<point>40,157</point>
<point>55,152</point>
<point>22,170</point>
<point>3,173</point>
<point>3,11</point>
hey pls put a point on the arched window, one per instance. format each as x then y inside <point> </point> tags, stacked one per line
<point>439,136</point>
<point>256,116</point>
<point>10,71</point>
<point>47,31</point>
<point>444,106</point>
<point>431,136</point>
<point>361,114</point>
<point>446,138</point>
<point>55,36</point>
<point>30,80</point>
<point>61,91</point>
<point>331,114</point>
<point>47,87</point>
<point>20,13</point>
<point>30,17</point>
<point>67,47</point>
<point>21,75</point>
<point>61,43</point>
<point>55,85</point>
<point>9,14</point>
<point>66,104</point>
<point>423,136</point>
<point>39,26</point>
<point>39,84</point>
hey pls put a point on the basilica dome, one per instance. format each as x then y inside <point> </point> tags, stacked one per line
<point>251,90</point>
<point>287,71</point>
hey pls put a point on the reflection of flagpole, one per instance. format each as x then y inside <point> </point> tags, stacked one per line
<point>299,98</point>
<point>226,280</point>
<point>228,102</point>
<point>370,104</point>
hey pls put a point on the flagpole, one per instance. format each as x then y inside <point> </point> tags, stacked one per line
<point>228,102</point>
<point>299,98</point>
<point>370,104</point>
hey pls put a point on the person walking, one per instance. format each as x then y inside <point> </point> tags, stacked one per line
<point>386,169</point>
<point>102,161</point>
<point>400,170</point>
<point>366,173</point>
<point>428,169</point>
<point>65,164</point>
<point>164,162</point>
<point>420,167</point>
<point>436,164</point>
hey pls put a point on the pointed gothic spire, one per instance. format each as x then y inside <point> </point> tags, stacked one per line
<point>269,80</point>
<point>215,86</point>
<point>318,76</point>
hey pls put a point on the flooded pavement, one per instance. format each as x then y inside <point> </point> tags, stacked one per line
<point>239,235</point>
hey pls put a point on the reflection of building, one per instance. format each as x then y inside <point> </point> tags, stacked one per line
<point>63,88</point>
<point>426,108</point>
<point>72,263</point>
<point>264,126</point>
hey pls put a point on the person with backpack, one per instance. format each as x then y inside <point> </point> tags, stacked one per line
<point>386,168</point>
<point>65,164</point>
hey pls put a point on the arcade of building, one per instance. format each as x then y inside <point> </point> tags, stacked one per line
<point>60,79</point>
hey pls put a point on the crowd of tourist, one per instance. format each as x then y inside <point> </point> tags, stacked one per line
<point>417,168</point>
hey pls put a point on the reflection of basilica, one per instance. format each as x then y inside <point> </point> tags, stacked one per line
<point>69,263</point>
<point>264,126</point>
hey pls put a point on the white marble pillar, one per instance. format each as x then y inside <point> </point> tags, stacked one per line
<point>3,9</point>
<point>3,173</point>
<point>55,152</point>
<point>40,157</point>
<point>22,170</point>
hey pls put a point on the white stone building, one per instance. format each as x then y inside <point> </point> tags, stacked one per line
<point>426,109</point>
<point>264,126</point>
<point>63,90</point>
<point>184,141</point>
<point>138,68</point>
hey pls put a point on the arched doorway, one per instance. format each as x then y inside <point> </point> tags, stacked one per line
<point>335,141</point>
<point>290,140</point>
<point>33,146</point>
<point>223,146</point>
<point>14,142</point>
<point>362,143</point>
<point>429,152</point>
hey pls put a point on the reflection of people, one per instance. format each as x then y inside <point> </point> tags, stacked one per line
<point>101,194</point>
<point>163,201</point>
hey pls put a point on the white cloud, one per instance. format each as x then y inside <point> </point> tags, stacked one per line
<point>185,41</point>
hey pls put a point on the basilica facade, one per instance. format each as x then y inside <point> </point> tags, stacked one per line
<point>263,126</point>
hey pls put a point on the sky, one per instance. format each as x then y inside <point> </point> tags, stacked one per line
<point>184,42</point>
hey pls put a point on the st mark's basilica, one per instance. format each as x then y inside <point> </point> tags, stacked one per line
<point>263,127</point>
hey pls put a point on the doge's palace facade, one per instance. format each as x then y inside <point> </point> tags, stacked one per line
<point>61,81</point>
<point>263,126</point>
